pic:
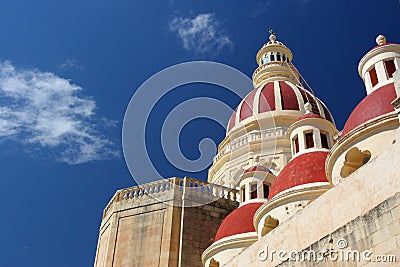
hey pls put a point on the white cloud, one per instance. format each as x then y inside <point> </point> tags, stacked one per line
<point>71,64</point>
<point>42,110</point>
<point>201,34</point>
<point>261,7</point>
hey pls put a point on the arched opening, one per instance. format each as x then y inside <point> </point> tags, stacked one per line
<point>295,144</point>
<point>243,193</point>
<point>213,263</point>
<point>390,67</point>
<point>324,140</point>
<point>373,76</point>
<point>270,223</point>
<point>253,190</point>
<point>354,159</point>
<point>266,59</point>
<point>278,56</point>
<point>265,190</point>
<point>309,139</point>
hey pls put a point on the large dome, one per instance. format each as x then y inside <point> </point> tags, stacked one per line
<point>276,96</point>
<point>373,105</point>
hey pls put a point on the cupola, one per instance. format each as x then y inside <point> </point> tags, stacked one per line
<point>254,184</point>
<point>311,132</point>
<point>376,68</point>
<point>370,128</point>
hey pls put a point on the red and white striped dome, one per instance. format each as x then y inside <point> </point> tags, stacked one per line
<point>276,96</point>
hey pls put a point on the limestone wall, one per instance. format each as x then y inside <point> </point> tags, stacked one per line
<point>200,225</point>
<point>361,209</point>
<point>376,231</point>
<point>141,226</point>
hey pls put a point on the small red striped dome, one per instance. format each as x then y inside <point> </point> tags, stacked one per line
<point>303,169</point>
<point>373,105</point>
<point>309,116</point>
<point>277,96</point>
<point>238,221</point>
<point>256,169</point>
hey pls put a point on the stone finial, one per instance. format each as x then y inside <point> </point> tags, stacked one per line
<point>272,36</point>
<point>308,108</point>
<point>380,40</point>
<point>254,161</point>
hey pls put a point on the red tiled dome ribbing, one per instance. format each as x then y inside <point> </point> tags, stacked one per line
<point>373,105</point>
<point>290,97</point>
<point>238,221</point>
<point>303,169</point>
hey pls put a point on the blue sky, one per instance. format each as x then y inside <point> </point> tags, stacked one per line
<point>69,68</point>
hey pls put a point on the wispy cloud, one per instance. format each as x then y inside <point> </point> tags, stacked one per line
<point>201,34</point>
<point>44,111</point>
<point>302,4</point>
<point>260,8</point>
<point>71,64</point>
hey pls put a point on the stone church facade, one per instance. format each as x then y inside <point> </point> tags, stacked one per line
<point>287,188</point>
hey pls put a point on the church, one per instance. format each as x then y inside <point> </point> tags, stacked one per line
<point>286,188</point>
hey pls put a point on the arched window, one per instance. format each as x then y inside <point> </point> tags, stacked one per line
<point>278,56</point>
<point>266,190</point>
<point>296,144</point>
<point>283,57</point>
<point>309,139</point>
<point>253,190</point>
<point>373,76</point>
<point>272,57</point>
<point>324,140</point>
<point>243,193</point>
<point>390,68</point>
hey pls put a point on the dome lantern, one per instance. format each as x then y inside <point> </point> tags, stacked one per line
<point>274,61</point>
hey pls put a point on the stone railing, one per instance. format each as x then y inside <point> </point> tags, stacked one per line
<point>275,63</point>
<point>248,138</point>
<point>190,185</point>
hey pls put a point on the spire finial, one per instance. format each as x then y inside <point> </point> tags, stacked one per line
<point>380,40</point>
<point>272,36</point>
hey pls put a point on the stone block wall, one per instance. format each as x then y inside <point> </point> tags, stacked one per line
<point>367,237</point>
<point>200,225</point>
<point>142,226</point>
